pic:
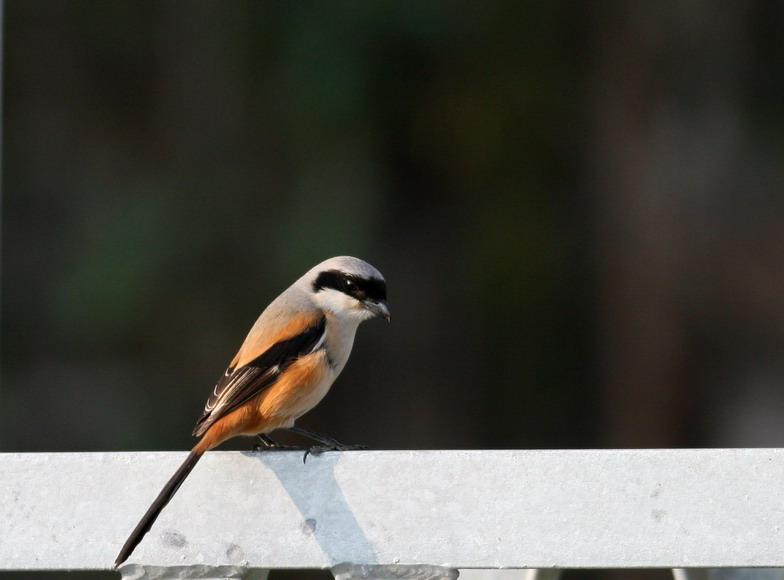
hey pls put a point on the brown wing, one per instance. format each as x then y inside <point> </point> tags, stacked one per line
<point>239,385</point>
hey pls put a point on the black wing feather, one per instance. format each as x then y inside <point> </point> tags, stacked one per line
<point>237,386</point>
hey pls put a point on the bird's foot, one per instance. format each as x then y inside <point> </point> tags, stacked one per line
<point>334,446</point>
<point>267,443</point>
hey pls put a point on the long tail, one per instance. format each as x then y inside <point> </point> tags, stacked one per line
<point>157,506</point>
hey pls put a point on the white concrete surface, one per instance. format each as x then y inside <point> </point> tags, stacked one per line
<point>455,509</point>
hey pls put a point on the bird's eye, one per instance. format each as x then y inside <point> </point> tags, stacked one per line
<point>351,286</point>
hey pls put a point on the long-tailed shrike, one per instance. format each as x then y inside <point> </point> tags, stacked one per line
<point>289,360</point>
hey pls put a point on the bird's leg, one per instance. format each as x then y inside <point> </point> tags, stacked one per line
<point>267,443</point>
<point>327,443</point>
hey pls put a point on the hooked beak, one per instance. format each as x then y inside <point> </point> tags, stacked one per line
<point>380,308</point>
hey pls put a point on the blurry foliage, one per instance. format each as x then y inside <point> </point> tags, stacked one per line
<point>576,209</point>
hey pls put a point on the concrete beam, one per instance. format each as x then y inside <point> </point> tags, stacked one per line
<point>452,509</point>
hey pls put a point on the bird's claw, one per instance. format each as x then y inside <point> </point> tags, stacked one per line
<point>264,448</point>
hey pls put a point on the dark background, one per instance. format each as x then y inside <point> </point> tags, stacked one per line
<point>577,207</point>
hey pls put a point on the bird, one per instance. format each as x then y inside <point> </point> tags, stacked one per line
<point>284,367</point>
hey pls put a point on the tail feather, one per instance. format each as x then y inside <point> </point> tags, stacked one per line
<point>157,506</point>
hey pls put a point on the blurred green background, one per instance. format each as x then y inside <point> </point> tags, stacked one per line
<point>577,207</point>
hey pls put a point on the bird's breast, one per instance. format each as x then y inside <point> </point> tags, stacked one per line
<point>300,388</point>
